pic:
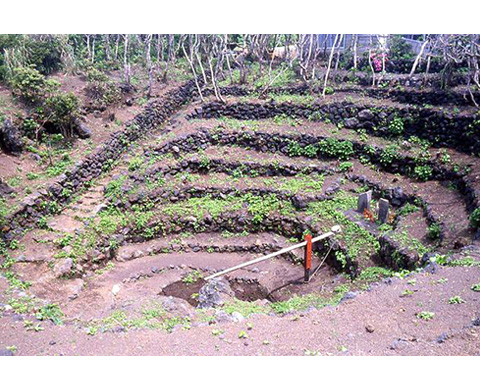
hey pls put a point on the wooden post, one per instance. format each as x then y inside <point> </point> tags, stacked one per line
<point>308,256</point>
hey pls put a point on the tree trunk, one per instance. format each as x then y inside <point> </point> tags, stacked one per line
<point>330,58</point>
<point>148,60</point>
<point>417,60</point>
<point>126,65</point>
<point>107,47</point>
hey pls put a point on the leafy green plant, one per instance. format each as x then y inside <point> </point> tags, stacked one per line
<point>389,154</point>
<point>101,90</point>
<point>396,126</point>
<point>30,85</point>
<point>456,300</point>
<point>475,218</point>
<point>426,315</point>
<point>434,231</point>
<point>374,273</point>
<point>62,110</point>
<point>332,147</point>
<point>476,287</point>
<point>345,166</point>
<point>445,157</point>
<point>467,261</point>
<point>423,172</point>
<point>408,209</point>
<point>192,277</point>
<point>51,312</point>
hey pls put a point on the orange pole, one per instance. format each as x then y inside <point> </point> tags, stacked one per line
<point>308,257</point>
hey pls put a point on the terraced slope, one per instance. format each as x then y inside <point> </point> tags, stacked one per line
<point>130,248</point>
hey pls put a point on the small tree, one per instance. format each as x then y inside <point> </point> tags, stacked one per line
<point>62,110</point>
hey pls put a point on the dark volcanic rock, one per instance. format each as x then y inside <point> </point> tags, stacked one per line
<point>10,138</point>
<point>5,188</point>
<point>214,293</point>
<point>83,131</point>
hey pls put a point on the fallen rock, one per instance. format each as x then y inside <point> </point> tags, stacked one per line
<point>399,344</point>
<point>11,138</point>
<point>369,328</point>
<point>237,317</point>
<point>365,115</point>
<point>5,189</point>
<point>83,131</point>
<point>63,267</point>
<point>214,293</point>
<point>177,306</point>
<point>99,208</point>
<point>75,288</point>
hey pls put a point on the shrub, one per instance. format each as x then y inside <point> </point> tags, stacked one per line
<point>434,231</point>
<point>62,110</point>
<point>423,172</point>
<point>389,154</point>
<point>43,52</point>
<point>456,300</point>
<point>334,148</point>
<point>475,218</point>
<point>102,91</point>
<point>30,85</point>
<point>294,149</point>
<point>345,166</point>
<point>396,126</point>
<point>400,49</point>
<point>310,151</point>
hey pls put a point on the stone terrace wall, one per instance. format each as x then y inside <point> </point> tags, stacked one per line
<point>49,201</point>
<point>442,129</point>
<point>398,93</point>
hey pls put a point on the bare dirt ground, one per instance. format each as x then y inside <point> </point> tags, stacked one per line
<point>378,322</point>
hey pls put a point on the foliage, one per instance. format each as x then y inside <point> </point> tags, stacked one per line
<point>408,209</point>
<point>396,126</point>
<point>434,231</point>
<point>475,218</point>
<point>456,300</point>
<point>62,110</point>
<point>333,147</point>
<point>467,261</point>
<point>192,277</point>
<point>42,52</point>
<point>294,149</point>
<point>400,49</point>
<point>374,273</point>
<point>345,166</point>
<point>53,106</point>
<point>102,91</point>
<point>51,312</point>
<point>425,315</point>
<point>389,154</point>
<point>423,172</point>
<point>30,85</point>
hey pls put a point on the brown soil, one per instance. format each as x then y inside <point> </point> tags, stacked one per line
<point>377,320</point>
